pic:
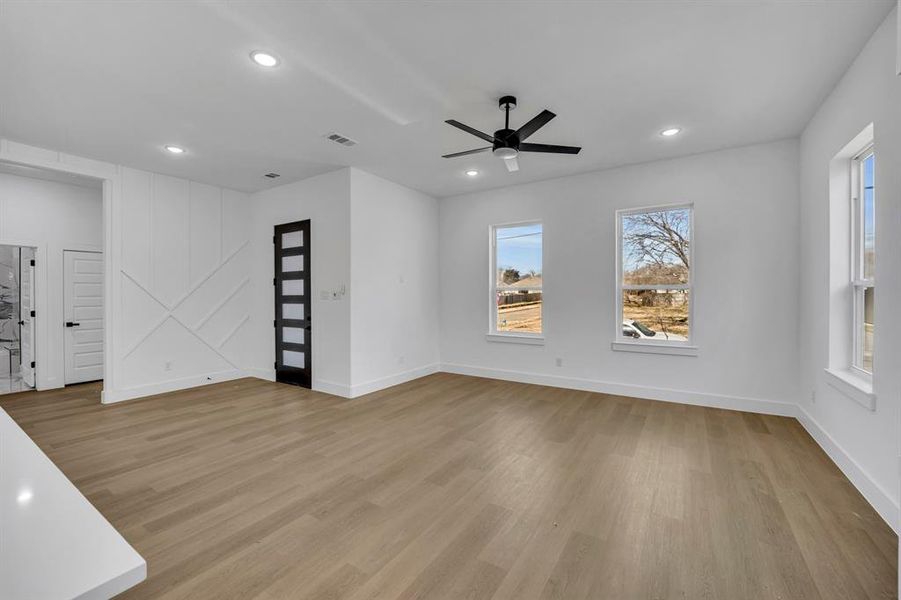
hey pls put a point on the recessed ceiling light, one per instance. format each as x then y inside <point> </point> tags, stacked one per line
<point>175,149</point>
<point>670,132</point>
<point>471,173</point>
<point>263,59</point>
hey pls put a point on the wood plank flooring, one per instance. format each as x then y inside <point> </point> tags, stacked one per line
<point>462,488</point>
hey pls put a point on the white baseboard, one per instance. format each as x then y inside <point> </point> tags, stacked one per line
<point>267,374</point>
<point>375,385</point>
<point>319,385</point>
<point>152,389</point>
<point>757,405</point>
<point>331,387</point>
<point>878,498</point>
<point>360,389</point>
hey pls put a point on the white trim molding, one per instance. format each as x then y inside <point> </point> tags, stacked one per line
<point>515,338</point>
<point>330,387</point>
<point>173,385</point>
<point>368,387</point>
<point>853,386</point>
<point>265,374</point>
<point>878,498</point>
<point>652,348</point>
<point>757,405</point>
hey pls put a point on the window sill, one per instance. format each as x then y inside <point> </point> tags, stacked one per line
<point>652,348</point>
<point>853,386</point>
<point>514,338</point>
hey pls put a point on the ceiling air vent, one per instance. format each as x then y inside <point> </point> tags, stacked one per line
<point>271,175</point>
<point>340,139</point>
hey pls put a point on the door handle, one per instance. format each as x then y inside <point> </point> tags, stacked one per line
<point>72,324</point>
<point>21,322</point>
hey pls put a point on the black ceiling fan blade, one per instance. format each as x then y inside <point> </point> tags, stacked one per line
<point>468,129</point>
<point>549,148</point>
<point>535,124</point>
<point>465,152</point>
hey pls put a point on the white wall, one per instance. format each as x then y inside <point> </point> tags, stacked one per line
<point>54,217</point>
<point>325,200</point>
<point>176,275</point>
<point>746,279</point>
<point>184,283</point>
<point>394,280</point>
<point>863,443</point>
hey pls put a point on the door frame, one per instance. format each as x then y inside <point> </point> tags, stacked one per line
<point>40,304</point>
<point>302,377</point>
<point>110,178</point>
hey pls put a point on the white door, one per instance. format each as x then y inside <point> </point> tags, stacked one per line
<point>26,311</point>
<point>83,302</point>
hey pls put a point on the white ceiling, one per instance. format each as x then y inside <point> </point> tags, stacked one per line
<point>118,80</point>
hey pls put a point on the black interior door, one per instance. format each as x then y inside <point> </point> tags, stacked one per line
<point>293,327</point>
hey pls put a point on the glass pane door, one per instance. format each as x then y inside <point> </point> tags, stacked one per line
<point>293,325</point>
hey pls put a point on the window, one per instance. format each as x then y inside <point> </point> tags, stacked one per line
<point>654,275</point>
<point>516,296</point>
<point>863,259</point>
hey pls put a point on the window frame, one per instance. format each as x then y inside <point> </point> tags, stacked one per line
<point>857,280</point>
<point>510,336</point>
<point>621,342</point>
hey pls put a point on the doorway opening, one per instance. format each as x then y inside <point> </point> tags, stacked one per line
<point>17,339</point>
<point>51,278</point>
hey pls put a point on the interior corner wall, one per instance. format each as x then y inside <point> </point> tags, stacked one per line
<point>864,443</point>
<point>394,278</point>
<point>325,200</point>
<point>745,275</point>
<point>55,217</point>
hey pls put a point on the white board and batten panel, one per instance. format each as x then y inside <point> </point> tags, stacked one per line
<point>135,224</point>
<point>83,301</point>
<point>170,238</point>
<point>184,270</point>
<point>205,240</point>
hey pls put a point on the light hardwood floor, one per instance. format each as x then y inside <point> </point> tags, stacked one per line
<point>457,487</point>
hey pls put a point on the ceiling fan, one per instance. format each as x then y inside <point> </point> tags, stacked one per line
<point>506,143</point>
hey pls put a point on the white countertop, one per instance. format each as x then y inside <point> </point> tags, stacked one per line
<point>54,545</point>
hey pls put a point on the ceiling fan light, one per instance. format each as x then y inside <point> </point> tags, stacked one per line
<point>264,59</point>
<point>505,152</point>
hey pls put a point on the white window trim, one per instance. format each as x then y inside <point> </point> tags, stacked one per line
<point>853,385</point>
<point>510,337</point>
<point>621,342</point>
<point>673,348</point>
<point>858,283</point>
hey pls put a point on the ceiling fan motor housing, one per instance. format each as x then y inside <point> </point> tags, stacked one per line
<point>506,143</point>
